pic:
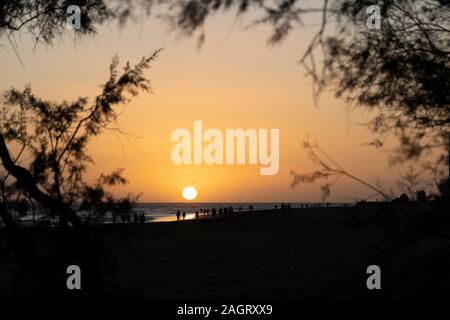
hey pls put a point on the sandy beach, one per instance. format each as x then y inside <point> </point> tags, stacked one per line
<point>291,254</point>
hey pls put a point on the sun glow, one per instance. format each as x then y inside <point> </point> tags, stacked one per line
<point>189,193</point>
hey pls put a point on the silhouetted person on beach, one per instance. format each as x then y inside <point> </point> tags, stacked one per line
<point>403,198</point>
<point>178,215</point>
<point>196,214</point>
<point>421,196</point>
<point>184,215</point>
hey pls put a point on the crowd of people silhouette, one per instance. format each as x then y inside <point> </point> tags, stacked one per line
<point>212,212</point>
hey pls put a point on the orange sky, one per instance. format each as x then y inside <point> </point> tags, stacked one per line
<point>234,81</point>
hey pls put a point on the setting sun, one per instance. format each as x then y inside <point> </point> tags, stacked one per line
<point>189,193</point>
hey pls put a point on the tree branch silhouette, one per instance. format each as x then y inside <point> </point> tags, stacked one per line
<point>327,168</point>
<point>53,139</point>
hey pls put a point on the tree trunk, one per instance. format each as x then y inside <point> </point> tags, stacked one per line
<point>89,250</point>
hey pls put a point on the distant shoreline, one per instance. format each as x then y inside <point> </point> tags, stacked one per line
<point>155,212</point>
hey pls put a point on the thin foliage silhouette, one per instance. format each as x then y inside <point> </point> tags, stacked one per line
<point>49,141</point>
<point>327,169</point>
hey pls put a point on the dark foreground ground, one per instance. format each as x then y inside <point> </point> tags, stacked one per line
<point>282,255</point>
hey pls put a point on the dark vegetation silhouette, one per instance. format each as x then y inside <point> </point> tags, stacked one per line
<point>402,72</point>
<point>43,161</point>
